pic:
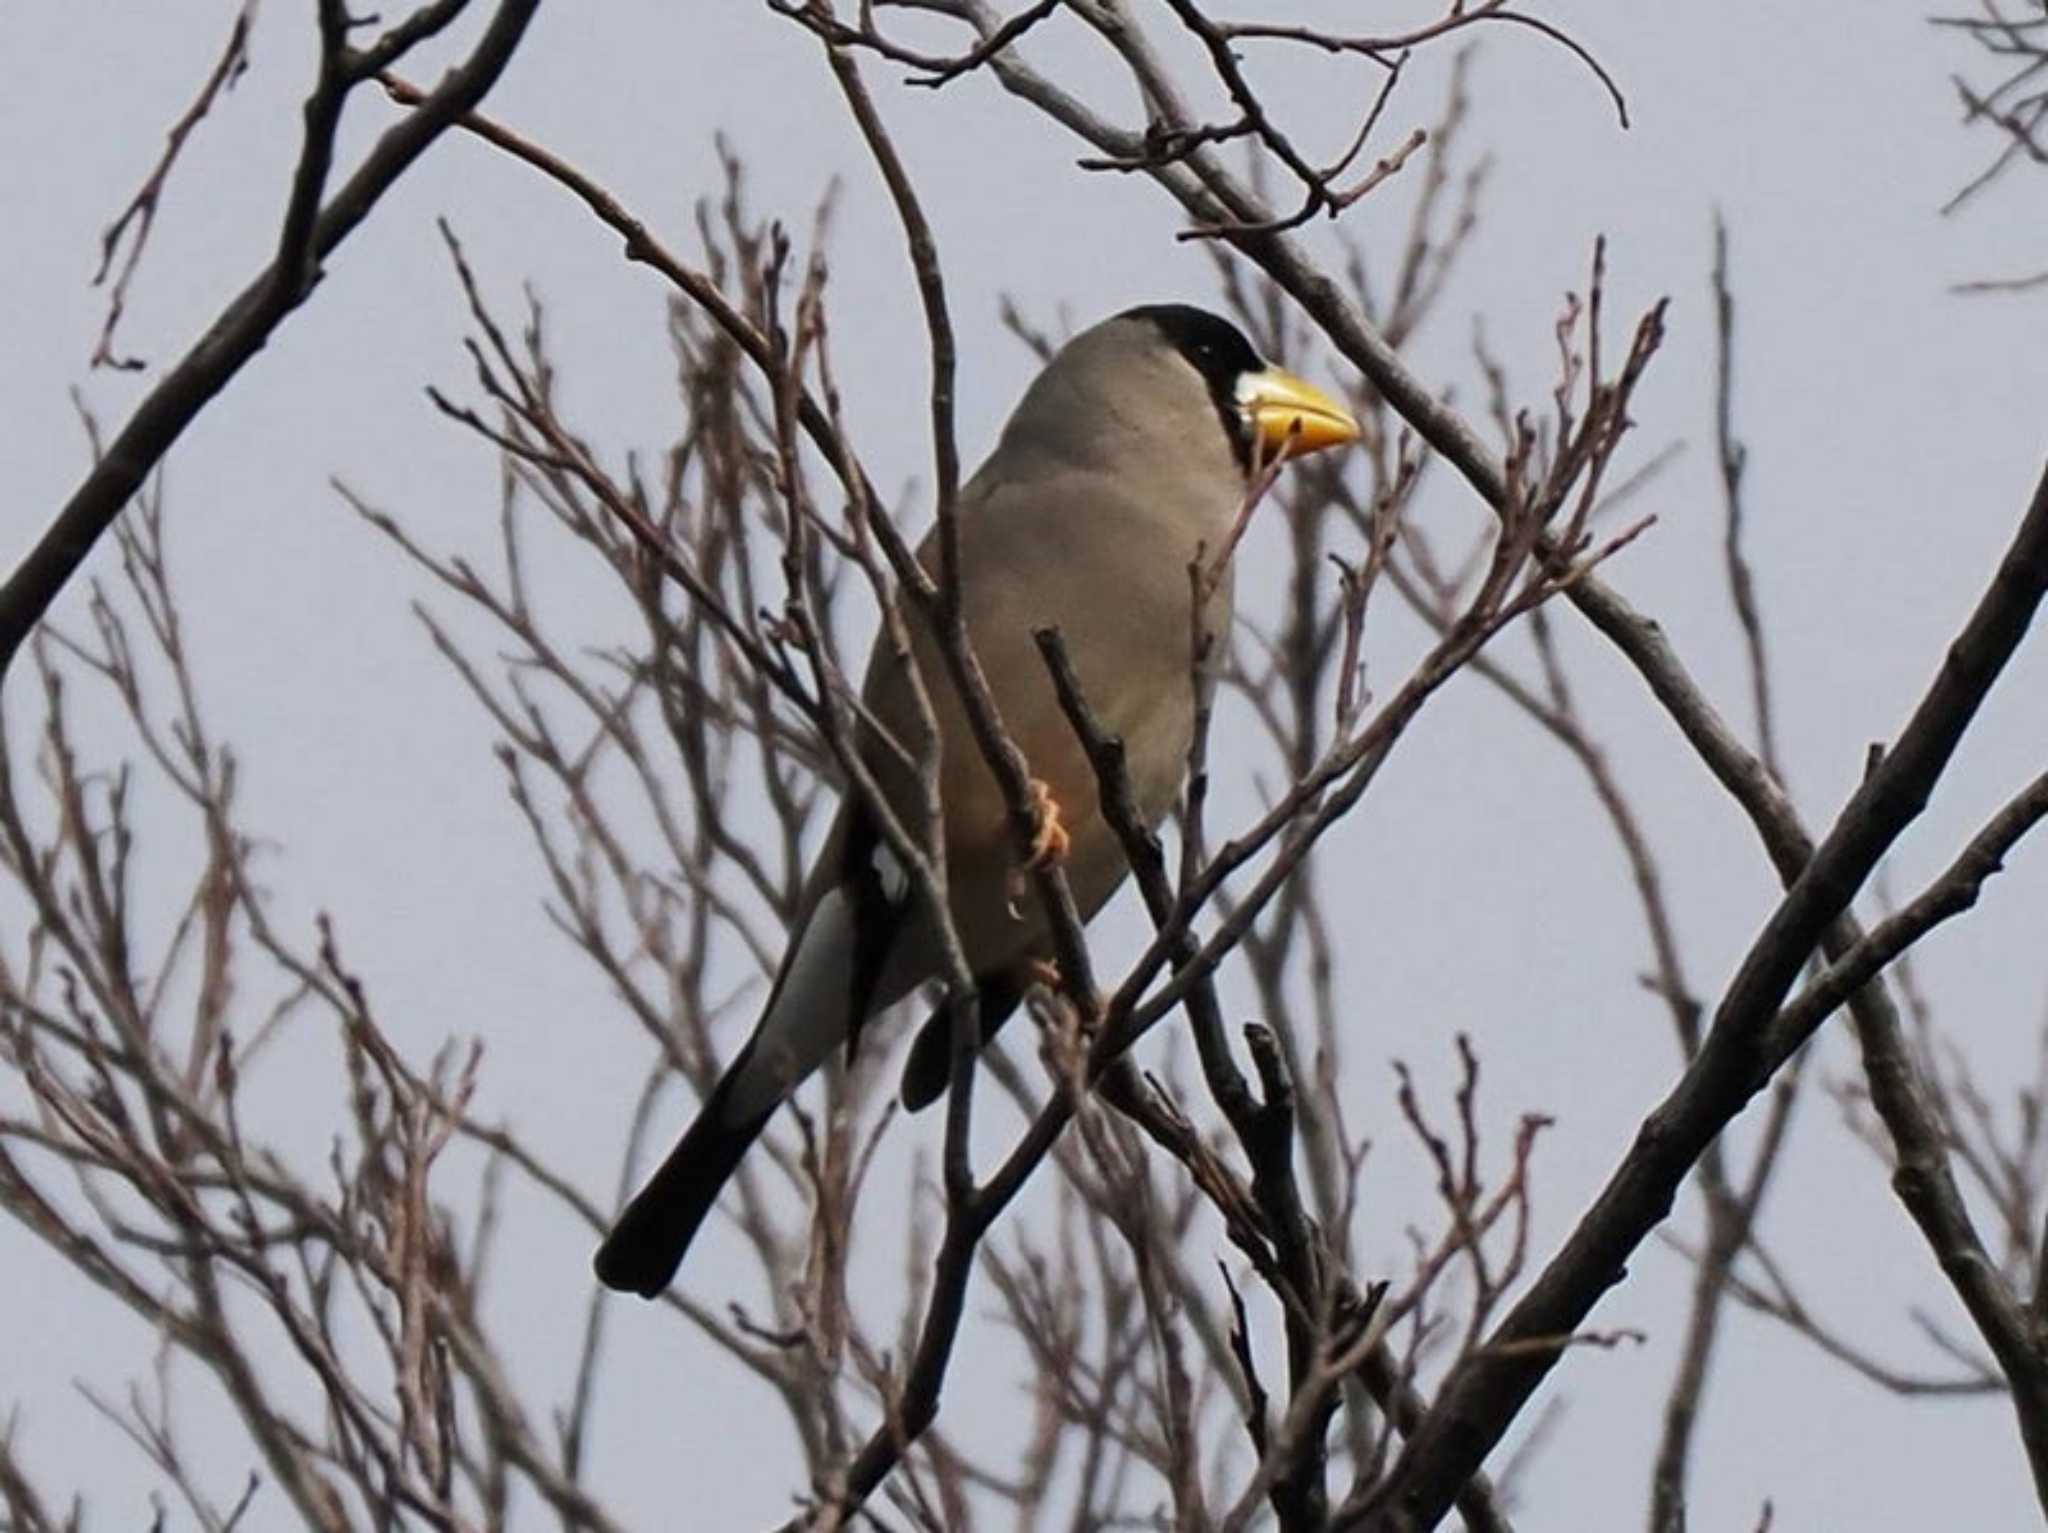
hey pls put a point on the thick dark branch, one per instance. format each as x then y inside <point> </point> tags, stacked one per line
<point>1490,1388</point>
<point>1948,896</point>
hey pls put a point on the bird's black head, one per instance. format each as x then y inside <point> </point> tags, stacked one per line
<point>1217,350</point>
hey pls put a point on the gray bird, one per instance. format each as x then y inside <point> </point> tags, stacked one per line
<point>1130,453</point>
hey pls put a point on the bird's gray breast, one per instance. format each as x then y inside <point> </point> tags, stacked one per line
<point>1110,565</point>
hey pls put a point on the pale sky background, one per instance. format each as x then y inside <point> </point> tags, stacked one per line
<point>1894,431</point>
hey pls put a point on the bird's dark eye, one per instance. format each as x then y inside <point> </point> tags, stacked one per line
<point>1213,344</point>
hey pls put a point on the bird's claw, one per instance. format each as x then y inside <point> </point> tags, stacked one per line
<point>1041,971</point>
<point>1049,845</point>
<point>1049,841</point>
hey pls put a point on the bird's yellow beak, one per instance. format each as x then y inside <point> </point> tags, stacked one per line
<point>1292,414</point>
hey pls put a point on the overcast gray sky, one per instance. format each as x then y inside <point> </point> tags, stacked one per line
<point>1894,431</point>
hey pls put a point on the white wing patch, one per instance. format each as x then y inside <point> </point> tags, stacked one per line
<point>889,870</point>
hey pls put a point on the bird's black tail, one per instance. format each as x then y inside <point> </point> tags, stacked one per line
<point>647,1244</point>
